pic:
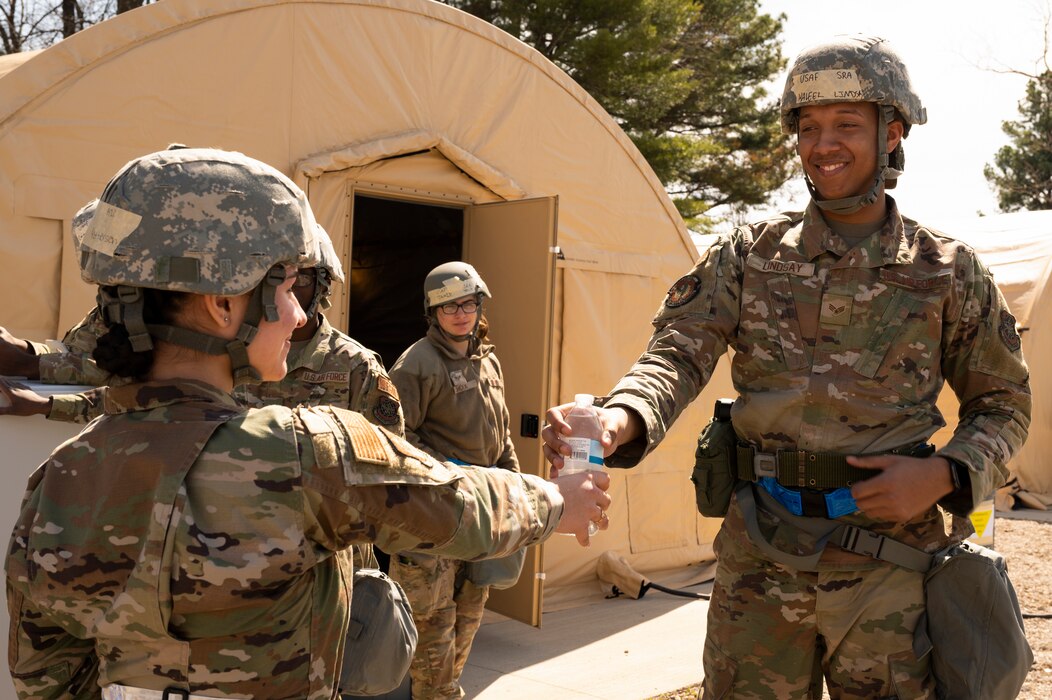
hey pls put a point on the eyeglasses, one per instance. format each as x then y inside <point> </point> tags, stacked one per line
<point>468,307</point>
<point>305,278</point>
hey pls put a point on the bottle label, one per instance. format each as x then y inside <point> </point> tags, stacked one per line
<point>587,455</point>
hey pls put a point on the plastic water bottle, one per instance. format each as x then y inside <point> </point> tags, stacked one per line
<point>587,455</point>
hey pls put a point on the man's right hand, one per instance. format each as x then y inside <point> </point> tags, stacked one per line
<point>620,426</point>
<point>16,357</point>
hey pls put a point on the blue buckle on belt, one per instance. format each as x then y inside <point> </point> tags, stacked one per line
<point>838,502</point>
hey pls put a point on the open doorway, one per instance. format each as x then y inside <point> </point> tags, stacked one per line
<point>394,244</point>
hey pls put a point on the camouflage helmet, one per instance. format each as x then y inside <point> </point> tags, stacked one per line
<point>328,259</point>
<point>329,270</point>
<point>202,221</point>
<point>850,69</point>
<point>197,220</point>
<point>81,221</point>
<point>855,68</point>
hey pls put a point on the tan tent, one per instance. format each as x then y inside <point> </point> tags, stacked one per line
<point>1017,248</point>
<point>421,134</point>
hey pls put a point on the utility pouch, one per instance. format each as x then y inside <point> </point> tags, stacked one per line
<point>716,463</point>
<point>974,628</point>
<point>381,638</point>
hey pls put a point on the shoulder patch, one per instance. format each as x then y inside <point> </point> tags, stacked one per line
<point>386,411</point>
<point>1008,332</point>
<point>384,384</point>
<point>396,460</point>
<point>366,442</point>
<point>685,289</point>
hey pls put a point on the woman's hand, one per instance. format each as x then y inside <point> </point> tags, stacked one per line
<point>19,400</point>
<point>584,501</point>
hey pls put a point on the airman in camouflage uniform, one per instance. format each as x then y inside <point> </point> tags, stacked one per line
<point>184,545</point>
<point>846,319</point>
<point>452,390</point>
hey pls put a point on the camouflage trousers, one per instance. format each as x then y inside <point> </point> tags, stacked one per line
<point>775,632</point>
<point>447,609</point>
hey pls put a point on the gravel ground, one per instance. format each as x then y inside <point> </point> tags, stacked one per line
<point>1022,542</point>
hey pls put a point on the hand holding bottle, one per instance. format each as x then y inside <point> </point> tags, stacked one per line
<point>585,441</point>
<point>619,427</point>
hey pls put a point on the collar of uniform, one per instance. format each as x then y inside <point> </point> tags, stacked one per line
<point>311,354</point>
<point>149,395</point>
<point>889,247</point>
<point>445,345</point>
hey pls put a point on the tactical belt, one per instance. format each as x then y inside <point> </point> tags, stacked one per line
<point>811,470</point>
<point>849,537</point>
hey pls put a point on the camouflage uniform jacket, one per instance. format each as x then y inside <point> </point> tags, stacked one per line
<point>332,369</point>
<point>184,541</point>
<point>454,406</point>
<point>842,350</point>
<point>76,366</point>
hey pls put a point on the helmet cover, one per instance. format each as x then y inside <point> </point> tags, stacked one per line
<point>197,220</point>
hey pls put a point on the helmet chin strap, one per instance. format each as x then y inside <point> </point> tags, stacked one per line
<point>849,205</point>
<point>127,308</point>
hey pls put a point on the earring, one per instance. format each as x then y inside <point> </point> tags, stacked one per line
<point>226,319</point>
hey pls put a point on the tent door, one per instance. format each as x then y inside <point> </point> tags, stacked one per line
<point>511,245</point>
<point>395,242</point>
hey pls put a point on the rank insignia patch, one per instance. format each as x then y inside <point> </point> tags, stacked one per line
<point>836,309</point>
<point>1009,335</point>
<point>685,289</point>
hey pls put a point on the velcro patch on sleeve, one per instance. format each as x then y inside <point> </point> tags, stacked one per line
<point>327,452</point>
<point>385,385</point>
<point>366,441</point>
<point>379,457</point>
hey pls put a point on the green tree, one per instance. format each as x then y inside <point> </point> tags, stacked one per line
<point>1022,171</point>
<point>685,79</point>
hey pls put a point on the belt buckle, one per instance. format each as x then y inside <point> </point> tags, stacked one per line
<point>173,693</point>
<point>862,541</point>
<point>765,464</point>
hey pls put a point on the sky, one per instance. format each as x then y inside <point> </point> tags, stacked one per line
<point>952,49</point>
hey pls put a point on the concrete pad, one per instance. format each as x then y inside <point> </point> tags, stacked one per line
<point>619,649</point>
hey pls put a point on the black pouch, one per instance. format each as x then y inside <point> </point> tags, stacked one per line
<point>716,463</point>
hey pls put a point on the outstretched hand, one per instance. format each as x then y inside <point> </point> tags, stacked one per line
<point>619,427</point>
<point>584,501</point>
<point>17,399</point>
<point>16,359</point>
<point>902,487</point>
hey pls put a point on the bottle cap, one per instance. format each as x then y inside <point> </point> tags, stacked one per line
<point>583,399</point>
